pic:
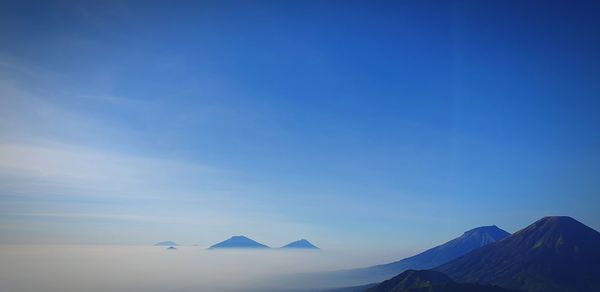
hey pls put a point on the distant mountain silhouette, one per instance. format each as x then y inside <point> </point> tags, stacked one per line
<point>428,259</point>
<point>551,255</point>
<point>166,243</point>
<point>300,244</point>
<point>171,248</point>
<point>470,240</point>
<point>429,281</point>
<point>238,242</point>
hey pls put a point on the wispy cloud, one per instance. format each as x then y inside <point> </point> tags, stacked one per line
<point>56,158</point>
<point>47,146</point>
<point>73,170</point>
<point>120,217</point>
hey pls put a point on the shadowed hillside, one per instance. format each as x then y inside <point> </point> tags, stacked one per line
<point>470,240</point>
<point>429,281</point>
<point>551,255</point>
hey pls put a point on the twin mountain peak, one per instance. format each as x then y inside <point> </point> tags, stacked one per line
<point>242,242</point>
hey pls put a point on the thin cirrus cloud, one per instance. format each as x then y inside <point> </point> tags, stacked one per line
<point>119,217</point>
<point>53,168</point>
<point>46,141</point>
<point>64,184</point>
<point>71,174</point>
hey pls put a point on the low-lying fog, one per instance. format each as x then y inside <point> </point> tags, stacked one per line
<point>65,268</point>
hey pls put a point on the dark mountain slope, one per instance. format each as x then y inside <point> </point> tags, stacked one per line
<point>429,281</point>
<point>470,240</point>
<point>428,259</point>
<point>551,255</point>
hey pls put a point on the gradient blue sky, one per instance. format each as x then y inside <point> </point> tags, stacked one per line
<point>354,124</point>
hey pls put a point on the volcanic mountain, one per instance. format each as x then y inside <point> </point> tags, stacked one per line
<point>238,242</point>
<point>300,244</point>
<point>429,281</point>
<point>551,255</point>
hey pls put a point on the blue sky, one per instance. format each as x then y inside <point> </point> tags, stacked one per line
<point>353,124</point>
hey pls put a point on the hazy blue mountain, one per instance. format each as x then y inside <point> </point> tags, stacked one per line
<point>551,255</point>
<point>300,244</point>
<point>238,242</point>
<point>428,259</point>
<point>166,243</point>
<point>429,281</point>
<point>470,240</point>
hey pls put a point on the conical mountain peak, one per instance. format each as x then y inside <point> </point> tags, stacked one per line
<point>238,241</point>
<point>239,237</point>
<point>557,222</point>
<point>484,229</point>
<point>484,234</point>
<point>302,243</point>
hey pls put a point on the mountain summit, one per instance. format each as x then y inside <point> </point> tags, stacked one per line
<point>553,254</point>
<point>487,235</point>
<point>300,244</point>
<point>238,242</point>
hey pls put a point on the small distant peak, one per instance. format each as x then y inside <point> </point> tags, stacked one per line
<point>302,244</point>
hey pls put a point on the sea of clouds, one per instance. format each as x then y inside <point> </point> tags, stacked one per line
<point>106,268</point>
